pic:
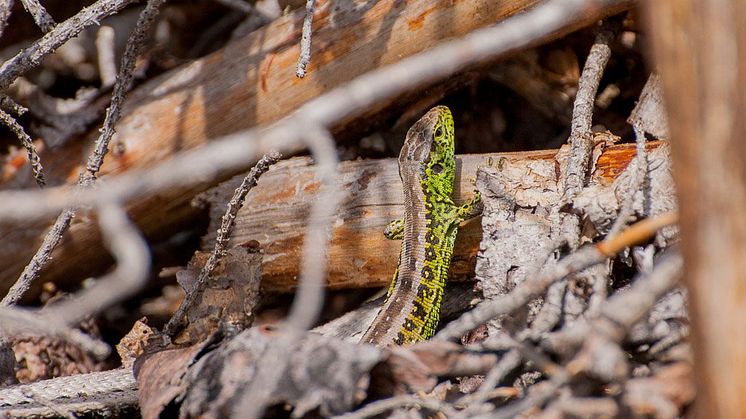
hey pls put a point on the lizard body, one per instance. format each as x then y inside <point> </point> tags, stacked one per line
<point>431,220</point>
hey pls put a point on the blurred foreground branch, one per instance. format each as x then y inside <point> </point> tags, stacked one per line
<point>700,48</point>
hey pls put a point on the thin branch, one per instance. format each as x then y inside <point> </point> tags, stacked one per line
<point>42,18</point>
<point>64,117</point>
<point>629,307</point>
<point>538,395</point>
<point>135,45</point>
<point>310,295</point>
<point>40,259</point>
<point>583,407</point>
<point>221,242</point>
<point>32,56</point>
<point>508,362</point>
<point>11,106</point>
<point>600,355</point>
<point>524,292</point>
<point>637,233</point>
<point>28,144</point>
<point>621,312</point>
<point>600,277</point>
<point>581,137</point>
<point>133,263</point>
<point>551,310</point>
<point>623,309</point>
<point>305,41</point>
<point>636,183</point>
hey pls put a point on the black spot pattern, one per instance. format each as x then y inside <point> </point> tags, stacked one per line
<point>408,325</point>
<point>418,310</point>
<point>424,292</point>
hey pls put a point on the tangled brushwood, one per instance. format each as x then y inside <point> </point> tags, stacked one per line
<point>564,297</point>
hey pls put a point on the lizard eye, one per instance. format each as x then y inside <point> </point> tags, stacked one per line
<point>436,168</point>
<point>438,131</point>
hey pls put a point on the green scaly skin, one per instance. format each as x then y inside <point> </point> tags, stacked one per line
<point>431,220</point>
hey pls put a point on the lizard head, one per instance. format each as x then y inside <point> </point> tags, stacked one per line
<point>428,151</point>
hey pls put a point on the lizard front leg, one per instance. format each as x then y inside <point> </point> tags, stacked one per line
<point>470,209</point>
<point>395,230</point>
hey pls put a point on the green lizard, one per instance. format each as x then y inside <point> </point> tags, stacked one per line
<point>431,220</point>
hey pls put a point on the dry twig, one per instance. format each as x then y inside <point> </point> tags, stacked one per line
<point>581,140</point>
<point>221,243</point>
<point>305,41</point>
<point>131,252</point>
<point>41,257</point>
<point>21,322</point>
<point>135,45</point>
<point>43,20</point>
<point>11,106</point>
<point>28,144</point>
<point>133,264</point>
<point>637,183</point>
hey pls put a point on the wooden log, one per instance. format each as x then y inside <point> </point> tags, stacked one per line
<point>249,82</point>
<point>276,213</point>
<point>700,49</point>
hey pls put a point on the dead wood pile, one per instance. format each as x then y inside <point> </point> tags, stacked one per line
<point>230,185</point>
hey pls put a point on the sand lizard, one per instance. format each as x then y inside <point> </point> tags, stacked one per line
<point>428,230</point>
